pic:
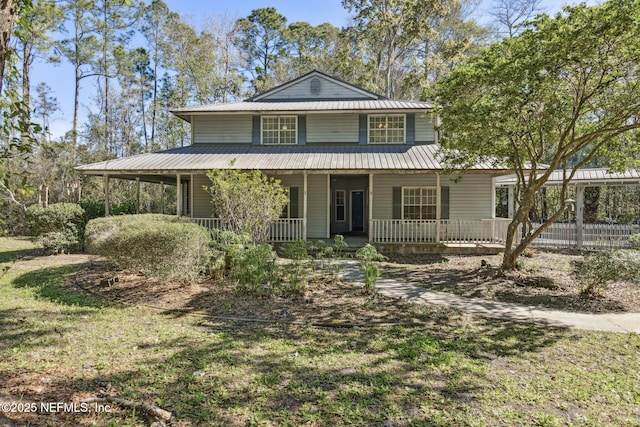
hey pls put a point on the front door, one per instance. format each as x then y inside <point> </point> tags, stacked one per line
<point>357,211</point>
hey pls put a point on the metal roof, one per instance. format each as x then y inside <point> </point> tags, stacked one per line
<point>381,105</point>
<point>587,176</point>
<point>199,158</point>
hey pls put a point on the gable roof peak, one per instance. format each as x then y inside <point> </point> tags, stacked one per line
<point>340,90</point>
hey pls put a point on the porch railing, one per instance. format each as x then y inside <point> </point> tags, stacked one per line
<point>476,231</point>
<point>594,236</point>
<point>283,230</point>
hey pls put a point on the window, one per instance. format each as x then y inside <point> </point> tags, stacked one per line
<point>279,129</point>
<point>387,129</point>
<point>286,210</point>
<point>419,202</point>
<point>340,205</point>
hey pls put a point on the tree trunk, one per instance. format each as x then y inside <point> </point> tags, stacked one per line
<point>8,16</point>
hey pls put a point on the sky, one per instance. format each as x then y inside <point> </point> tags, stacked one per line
<point>60,77</point>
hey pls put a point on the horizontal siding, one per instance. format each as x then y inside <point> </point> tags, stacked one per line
<point>202,207</point>
<point>317,209</point>
<point>469,198</point>
<point>222,129</point>
<point>328,90</point>
<point>424,129</point>
<point>332,128</point>
<point>382,190</point>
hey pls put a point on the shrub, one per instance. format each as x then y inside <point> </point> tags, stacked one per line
<point>59,227</point>
<point>596,270</point>
<point>635,241</point>
<point>253,267</point>
<point>295,272</point>
<point>166,247</point>
<point>369,257</point>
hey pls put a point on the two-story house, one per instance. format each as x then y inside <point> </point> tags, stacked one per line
<point>354,162</point>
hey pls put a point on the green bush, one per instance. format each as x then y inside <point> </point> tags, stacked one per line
<point>635,241</point>
<point>59,227</point>
<point>252,267</point>
<point>596,270</point>
<point>295,272</point>
<point>369,257</point>
<point>166,247</point>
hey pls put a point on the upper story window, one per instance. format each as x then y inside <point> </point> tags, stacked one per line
<point>387,129</point>
<point>279,129</point>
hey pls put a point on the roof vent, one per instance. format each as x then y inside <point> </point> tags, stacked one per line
<point>314,86</point>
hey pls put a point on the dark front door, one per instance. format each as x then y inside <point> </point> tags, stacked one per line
<point>357,210</point>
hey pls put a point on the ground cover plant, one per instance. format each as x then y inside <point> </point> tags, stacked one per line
<point>331,356</point>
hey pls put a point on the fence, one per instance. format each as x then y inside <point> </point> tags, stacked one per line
<point>593,236</point>
<point>283,230</point>
<point>478,231</point>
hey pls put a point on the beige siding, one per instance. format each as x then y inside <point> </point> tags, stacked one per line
<point>317,209</point>
<point>328,90</point>
<point>383,190</point>
<point>332,128</point>
<point>202,207</point>
<point>424,129</point>
<point>470,198</point>
<point>222,129</point>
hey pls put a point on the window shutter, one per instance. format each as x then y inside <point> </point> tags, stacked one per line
<point>293,202</point>
<point>302,130</point>
<point>411,129</point>
<point>255,131</point>
<point>444,202</point>
<point>362,130</point>
<point>397,202</point>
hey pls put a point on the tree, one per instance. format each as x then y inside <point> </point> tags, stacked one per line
<point>260,39</point>
<point>246,202</point>
<point>510,15</point>
<point>568,85</point>
<point>9,11</point>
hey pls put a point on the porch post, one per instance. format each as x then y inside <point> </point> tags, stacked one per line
<point>162,197</point>
<point>304,208</point>
<point>438,207</point>
<point>370,207</point>
<point>137,195</point>
<point>191,196</point>
<point>579,216</point>
<point>329,206</point>
<point>178,196</point>
<point>511,201</point>
<point>106,195</point>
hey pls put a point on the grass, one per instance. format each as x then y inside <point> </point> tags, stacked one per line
<point>60,344</point>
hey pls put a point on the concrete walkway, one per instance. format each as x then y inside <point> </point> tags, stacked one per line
<point>625,322</point>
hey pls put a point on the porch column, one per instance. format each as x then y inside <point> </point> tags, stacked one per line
<point>438,207</point>
<point>178,196</point>
<point>579,216</point>
<point>137,195</point>
<point>106,195</point>
<point>191,197</point>
<point>162,197</point>
<point>304,208</point>
<point>511,201</point>
<point>370,207</point>
<point>329,212</point>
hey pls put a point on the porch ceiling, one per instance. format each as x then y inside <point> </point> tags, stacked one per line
<point>332,159</point>
<point>586,176</point>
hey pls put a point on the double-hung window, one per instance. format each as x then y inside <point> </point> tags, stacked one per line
<point>419,203</point>
<point>279,130</point>
<point>387,129</point>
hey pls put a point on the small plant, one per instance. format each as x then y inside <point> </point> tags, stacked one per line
<point>597,270</point>
<point>295,277</point>
<point>635,241</point>
<point>369,257</point>
<point>339,244</point>
<point>253,268</point>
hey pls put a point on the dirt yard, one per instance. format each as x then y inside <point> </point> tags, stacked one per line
<point>545,281</point>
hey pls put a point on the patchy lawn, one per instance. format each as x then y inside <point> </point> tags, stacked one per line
<point>545,280</point>
<point>66,338</point>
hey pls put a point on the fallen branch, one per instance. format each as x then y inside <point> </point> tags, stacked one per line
<point>150,410</point>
